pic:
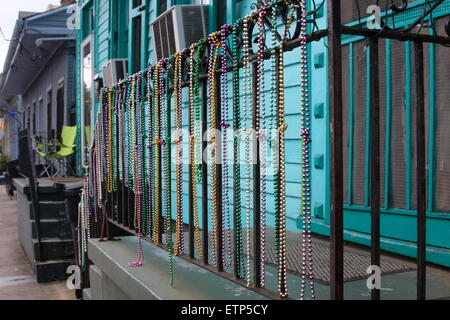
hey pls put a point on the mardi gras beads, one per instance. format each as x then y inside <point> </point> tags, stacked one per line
<point>214,53</point>
<point>307,262</point>
<point>261,131</point>
<point>247,132</point>
<point>226,219</point>
<point>179,246</point>
<point>194,107</point>
<point>156,153</point>
<point>237,166</point>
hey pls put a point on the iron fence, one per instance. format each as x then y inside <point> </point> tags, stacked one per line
<point>118,203</point>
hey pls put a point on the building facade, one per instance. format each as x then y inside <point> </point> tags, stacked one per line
<point>39,75</point>
<point>112,29</point>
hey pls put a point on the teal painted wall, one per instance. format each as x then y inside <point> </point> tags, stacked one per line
<point>398,224</point>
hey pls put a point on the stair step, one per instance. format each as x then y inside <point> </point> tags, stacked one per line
<point>52,228</point>
<point>52,270</point>
<point>53,249</point>
<point>50,210</point>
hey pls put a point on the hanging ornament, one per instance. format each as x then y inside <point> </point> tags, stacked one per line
<point>166,172</point>
<point>196,51</point>
<point>282,127</point>
<point>225,124</point>
<point>136,147</point>
<point>156,153</point>
<point>305,125</point>
<point>179,244</point>
<point>261,132</point>
<point>240,265</point>
<point>247,132</point>
<point>214,53</point>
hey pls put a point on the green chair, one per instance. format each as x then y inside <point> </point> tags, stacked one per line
<point>59,150</point>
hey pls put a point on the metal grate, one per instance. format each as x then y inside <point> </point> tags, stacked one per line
<point>442,137</point>
<point>345,115</point>
<point>355,264</point>
<point>359,120</point>
<point>350,8</point>
<point>413,121</point>
<point>397,176</point>
<point>382,75</point>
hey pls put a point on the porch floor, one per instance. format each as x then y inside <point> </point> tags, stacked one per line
<point>398,284</point>
<point>394,286</point>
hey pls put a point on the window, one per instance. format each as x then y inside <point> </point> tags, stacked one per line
<point>28,117</point>
<point>33,124</point>
<point>60,107</point>
<point>50,133</point>
<point>119,12</point>
<point>137,43</point>
<point>162,6</point>
<point>87,75</point>
<point>136,36</point>
<point>137,3</point>
<point>88,20</point>
<point>40,118</point>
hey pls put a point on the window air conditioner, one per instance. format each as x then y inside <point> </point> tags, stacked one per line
<point>178,28</point>
<point>114,70</point>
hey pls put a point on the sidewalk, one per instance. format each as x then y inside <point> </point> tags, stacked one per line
<point>16,276</point>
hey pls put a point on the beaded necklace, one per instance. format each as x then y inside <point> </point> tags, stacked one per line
<point>114,139</point>
<point>247,132</point>
<point>195,138</point>
<point>306,141</point>
<point>214,53</point>
<point>137,157</point>
<point>156,153</point>
<point>179,247</point>
<point>84,216</point>
<point>109,147</point>
<point>120,134</point>
<point>226,219</point>
<point>144,150</point>
<point>126,135</point>
<point>237,166</point>
<point>261,131</point>
<point>166,173</point>
<point>282,127</point>
<point>149,158</point>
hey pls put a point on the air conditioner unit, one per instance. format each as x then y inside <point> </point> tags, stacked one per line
<point>178,28</point>
<point>114,70</point>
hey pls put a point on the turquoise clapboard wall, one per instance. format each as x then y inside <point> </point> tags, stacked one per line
<point>397,225</point>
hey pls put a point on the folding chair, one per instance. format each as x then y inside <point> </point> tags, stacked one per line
<point>66,149</point>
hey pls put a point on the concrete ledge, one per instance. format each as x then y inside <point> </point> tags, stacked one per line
<point>151,281</point>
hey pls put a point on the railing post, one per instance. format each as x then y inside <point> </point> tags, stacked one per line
<point>256,187</point>
<point>205,172</point>
<point>374,159</point>
<point>421,171</point>
<point>336,172</point>
<point>218,128</point>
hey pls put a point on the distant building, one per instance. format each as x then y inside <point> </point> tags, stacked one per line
<point>37,85</point>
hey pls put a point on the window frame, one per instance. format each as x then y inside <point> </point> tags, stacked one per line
<point>88,41</point>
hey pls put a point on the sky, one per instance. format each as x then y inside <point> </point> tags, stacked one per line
<point>9,12</point>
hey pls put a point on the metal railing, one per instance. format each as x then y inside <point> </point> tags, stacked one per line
<point>118,206</point>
